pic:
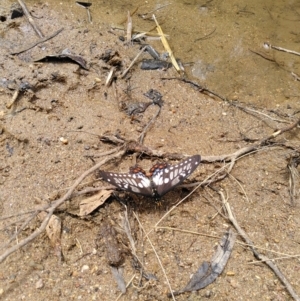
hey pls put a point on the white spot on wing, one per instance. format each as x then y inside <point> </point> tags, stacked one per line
<point>135,189</point>
<point>145,182</point>
<point>128,181</point>
<point>157,178</point>
<point>175,181</point>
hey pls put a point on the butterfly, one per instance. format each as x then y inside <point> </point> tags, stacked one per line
<point>161,179</point>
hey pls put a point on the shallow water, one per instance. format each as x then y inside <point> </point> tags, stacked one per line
<point>221,41</point>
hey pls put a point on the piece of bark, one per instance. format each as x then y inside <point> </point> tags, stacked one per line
<point>53,230</point>
<point>114,252</point>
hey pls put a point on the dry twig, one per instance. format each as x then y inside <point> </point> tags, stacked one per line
<point>30,19</point>
<point>158,259</point>
<point>129,28</point>
<point>259,256</point>
<point>42,40</point>
<point>235,104</point>
<point>142,135</point>
<point>133,62</point>
<point>267,45</point>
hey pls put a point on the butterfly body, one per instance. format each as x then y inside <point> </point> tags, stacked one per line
<point>161,179</point>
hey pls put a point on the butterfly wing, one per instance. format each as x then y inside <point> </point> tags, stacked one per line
<point>167,178</point>
<point>133,182</point>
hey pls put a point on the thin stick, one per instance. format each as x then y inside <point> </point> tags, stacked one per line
<point>142,136</point>
<point>38,42</point>
<point>232,103</point>
<point>275,258</point>
<point>16,215</point>
<point>132,63</point>
<point>243,190</point>
<point>153,11</point>
<point>25,223</point>
<point>295,76</point>
<point>206,36</point>
<point>281,49</point>
<point>89,14</point>
<point>188,231</point>
<point>110,77</point>
<point>129,27</point>
<point>286,256</point>
<point>31,21</point>
<point>158,259</point>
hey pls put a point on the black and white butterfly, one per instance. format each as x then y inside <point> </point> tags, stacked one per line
<point>161,179</point>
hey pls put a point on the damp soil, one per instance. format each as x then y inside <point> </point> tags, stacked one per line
<point>51,135</point>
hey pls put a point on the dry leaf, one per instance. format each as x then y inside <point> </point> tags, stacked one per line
<point>208,272</point>
<point>166,45</point>
<point>88,205</point>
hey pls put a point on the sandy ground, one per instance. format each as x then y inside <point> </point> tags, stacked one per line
<point>51,135</point>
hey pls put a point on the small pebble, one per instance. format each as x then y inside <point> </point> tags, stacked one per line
<point>63,140</point>
<point>39,284</point>
<point>84,268</point>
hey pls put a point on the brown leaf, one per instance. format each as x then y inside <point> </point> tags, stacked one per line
<point>88,205</point>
